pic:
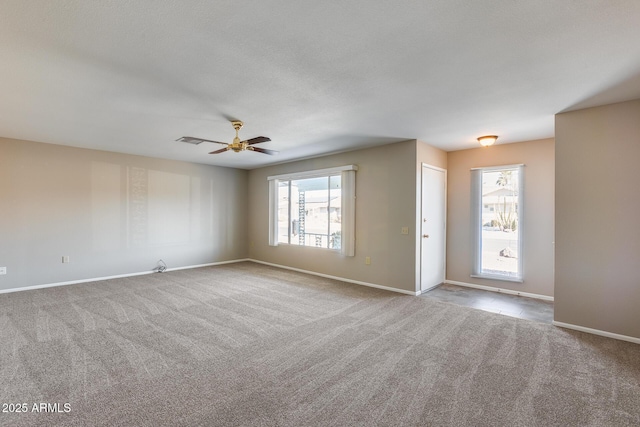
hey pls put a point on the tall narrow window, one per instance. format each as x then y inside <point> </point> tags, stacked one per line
<point>497,204</point>
<point>314,208</point>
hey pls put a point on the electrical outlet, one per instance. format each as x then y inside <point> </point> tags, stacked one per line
<point>367,260</point>
<point>405,230</point>
<point>3,270</point>
<point>65,259</point>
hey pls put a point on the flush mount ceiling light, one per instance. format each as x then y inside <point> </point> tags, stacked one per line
<point>487,140</point>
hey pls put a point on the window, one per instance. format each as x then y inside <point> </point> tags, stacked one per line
<point>309,211</point>
<point>314,208</point>
<point>497,198</point>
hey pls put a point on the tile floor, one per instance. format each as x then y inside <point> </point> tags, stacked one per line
<point>509,305</point>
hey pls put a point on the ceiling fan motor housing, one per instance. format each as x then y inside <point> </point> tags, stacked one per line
<point>236,145</point>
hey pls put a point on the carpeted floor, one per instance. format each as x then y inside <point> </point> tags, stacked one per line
<point>247,344</point>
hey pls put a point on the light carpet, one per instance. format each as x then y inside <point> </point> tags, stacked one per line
<point>250,345</point>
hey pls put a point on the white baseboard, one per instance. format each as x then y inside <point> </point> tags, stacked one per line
<point>342,279</point>
<point>96,279</point>
<point>500,290</point>
<point>233,261</point>
<point>597,332</point>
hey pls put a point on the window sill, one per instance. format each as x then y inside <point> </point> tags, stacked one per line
<point>496,277</point>
<point>305,246</point>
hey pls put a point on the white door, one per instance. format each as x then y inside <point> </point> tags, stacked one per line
<point>433,227</point>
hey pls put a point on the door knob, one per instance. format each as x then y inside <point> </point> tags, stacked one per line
<point>426,236</point>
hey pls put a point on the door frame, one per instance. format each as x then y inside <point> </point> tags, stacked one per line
<point>419,234</point>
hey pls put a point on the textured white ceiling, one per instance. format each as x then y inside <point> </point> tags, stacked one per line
<point>315,76</point>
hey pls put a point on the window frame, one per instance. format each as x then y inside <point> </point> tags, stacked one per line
<point>476,222</point>
<point>348,194</point>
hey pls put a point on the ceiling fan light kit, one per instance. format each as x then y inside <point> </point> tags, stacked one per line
<point>236,145</point>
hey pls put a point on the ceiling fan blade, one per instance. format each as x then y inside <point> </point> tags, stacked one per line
<point>263,150</point>
<point>222,150</point>
<point>257,140</point>
<point>192,140</point>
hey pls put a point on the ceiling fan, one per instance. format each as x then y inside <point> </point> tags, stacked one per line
<point>236,145</point>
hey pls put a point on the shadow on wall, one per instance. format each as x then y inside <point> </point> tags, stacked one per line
<point>134,207</point>
<point>626,90</point>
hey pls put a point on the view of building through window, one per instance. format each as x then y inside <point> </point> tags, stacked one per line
<point>309,212</point>
<point>500,241</point>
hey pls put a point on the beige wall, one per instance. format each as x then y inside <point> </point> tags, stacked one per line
<point>385,202</point>
<point>538,230</point>
<point>112,213</point>
<point>597,227</point>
